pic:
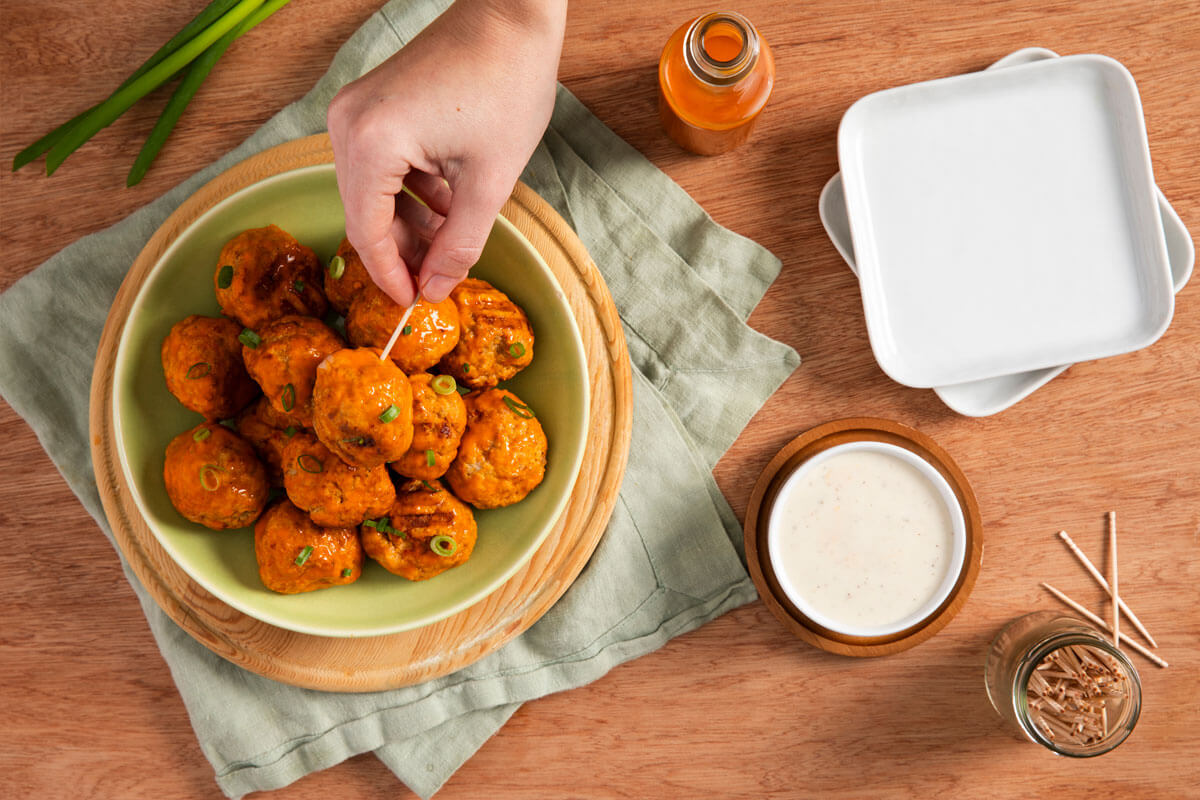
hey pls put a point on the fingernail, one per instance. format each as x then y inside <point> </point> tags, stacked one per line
<point>437,287</point>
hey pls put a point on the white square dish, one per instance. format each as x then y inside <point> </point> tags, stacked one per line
<point>1005,221</point>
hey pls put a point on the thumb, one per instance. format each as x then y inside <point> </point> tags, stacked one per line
<point>459,241</point>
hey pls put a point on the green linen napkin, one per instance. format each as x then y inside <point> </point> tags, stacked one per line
<point>670,559</point>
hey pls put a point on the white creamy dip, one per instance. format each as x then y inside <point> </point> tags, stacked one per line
<point>862,538</point>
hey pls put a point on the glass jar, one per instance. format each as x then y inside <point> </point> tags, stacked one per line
<point>1015,655</point>
<point>714,77</point>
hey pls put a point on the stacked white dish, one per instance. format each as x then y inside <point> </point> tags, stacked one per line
<point>1005,224</point>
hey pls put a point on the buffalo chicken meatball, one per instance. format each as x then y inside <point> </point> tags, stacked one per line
<point>333,492</point>
<point>214,478</point>
<point>362,408</point>
<point>430,332</point>
<point>296,555</point>
<point>426,532</point>
<point>283,356</point>
<point>439,419</point>
<point>496,341</point>
<point>202,361</point>
<point>264,273</point>
<point>257,426</point>
<point>346,278</point>
<point>502,455</point>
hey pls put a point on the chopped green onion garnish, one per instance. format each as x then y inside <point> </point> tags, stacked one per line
<point>406,330</point>
<point>516,349</point>
<point>309,463</point>
<point>298,285</point>
<point>430,458</point>
<point>466,368</point>
<point>519,408</point>
<point>249,338</point>
<point>443,545</point>
<point>429,486</point>
<point>289,431</point>
<point>198,370</point>
<point>358,440</point>
<point>225,277</point>
<point>347,572</point>
<point>337,267</point>
<point>289,397</point>
<point>463,389</point>
<point>443,384</point>
<point>201,434</point>
<point>370,523</point>
<point>389,414</point>
<point>304,554</point>
<point>209,480</point>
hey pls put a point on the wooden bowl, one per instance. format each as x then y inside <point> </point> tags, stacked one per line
<point>804,447</point>
<point>395,659</point>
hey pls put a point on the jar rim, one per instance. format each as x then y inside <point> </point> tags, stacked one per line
<point>717,72</point>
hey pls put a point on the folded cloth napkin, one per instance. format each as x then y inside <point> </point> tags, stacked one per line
<point>670,559</point>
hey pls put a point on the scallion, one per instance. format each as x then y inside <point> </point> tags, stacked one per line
<point>347,572</point>
<point>430,458</point>
<point>518,408</point>
<point>201,434</point>
<point>210,481</point>
<point>309,463</point>
<point>289,431</point>
<point>304,554</point>
<point>389,414</point>
<point>406,330</point>
<point>337,267</point>
<point>249,338</point>
<point>288,398</point>
<point>198,370</point>
<point>225,276</point>
<point>516,349</point>
<point>443,384</point>
<point>443,545</point>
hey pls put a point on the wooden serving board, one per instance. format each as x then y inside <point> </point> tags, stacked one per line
<point>804,447</point>
<point>385,662</point>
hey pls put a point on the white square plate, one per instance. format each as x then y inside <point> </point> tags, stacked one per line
<point>1005,221</point>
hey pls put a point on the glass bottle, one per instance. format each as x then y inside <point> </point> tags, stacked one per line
<point>714,77</point>
<point>1015,654</point>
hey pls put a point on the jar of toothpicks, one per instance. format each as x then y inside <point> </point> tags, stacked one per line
<point>1063,684</point>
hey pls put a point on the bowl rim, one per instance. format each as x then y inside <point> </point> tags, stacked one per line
<point>120,366</point>
<point>953,566</point>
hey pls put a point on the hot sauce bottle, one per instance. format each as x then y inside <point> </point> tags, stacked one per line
<point>714,77</point>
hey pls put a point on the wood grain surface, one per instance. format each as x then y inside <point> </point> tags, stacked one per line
<point>739,708</point>
<point>401,659</point>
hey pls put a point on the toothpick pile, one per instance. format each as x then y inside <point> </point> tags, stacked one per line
<point>1071,691</point>
<point>1119,606</point>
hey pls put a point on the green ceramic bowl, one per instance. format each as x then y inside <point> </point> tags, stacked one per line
<point>305,203</point>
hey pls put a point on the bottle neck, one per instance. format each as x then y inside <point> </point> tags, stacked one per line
<point>721,48</point>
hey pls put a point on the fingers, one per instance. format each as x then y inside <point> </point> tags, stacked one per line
<point>433,190</point>
<point>457,244</point>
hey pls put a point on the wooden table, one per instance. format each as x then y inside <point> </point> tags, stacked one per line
<point>738,708</point>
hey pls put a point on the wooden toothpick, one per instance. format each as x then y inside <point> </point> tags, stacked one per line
<point>1101,624</point>
<point>399,327</point>
<point>1100,579</point>
<point>1116,594</point>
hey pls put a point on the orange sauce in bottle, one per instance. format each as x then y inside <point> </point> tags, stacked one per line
<point>714,77</point>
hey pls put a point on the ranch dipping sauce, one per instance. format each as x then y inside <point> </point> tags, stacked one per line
<point>863,538</point>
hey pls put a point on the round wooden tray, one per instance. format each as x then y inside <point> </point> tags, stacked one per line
<point>807,445</point>
<point>385,662</point>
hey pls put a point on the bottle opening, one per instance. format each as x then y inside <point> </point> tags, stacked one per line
<point>723,41</point>
<point>721,48</point>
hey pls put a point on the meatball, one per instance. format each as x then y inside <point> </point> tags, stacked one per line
<point>333,492</point>
<point>496,341</point>
<point>362,408</point>
<point>296,555</point>
<point>202,360</point>
<point>214,477</point>
<point>502,456</point>
<point>267,432</point>
<point>427,531</point>
<point>439,419</point>
<point>283,358</point>
<point>430,332</point>
<point>351,279</point>
<point>264,273</point>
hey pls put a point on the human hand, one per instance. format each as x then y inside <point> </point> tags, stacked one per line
<point>452,117</point>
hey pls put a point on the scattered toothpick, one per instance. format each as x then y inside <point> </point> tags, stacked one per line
<point>399,327</point>
<point>1135,645</point>
<point>1116,594</point>
<point>1100,579</point>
